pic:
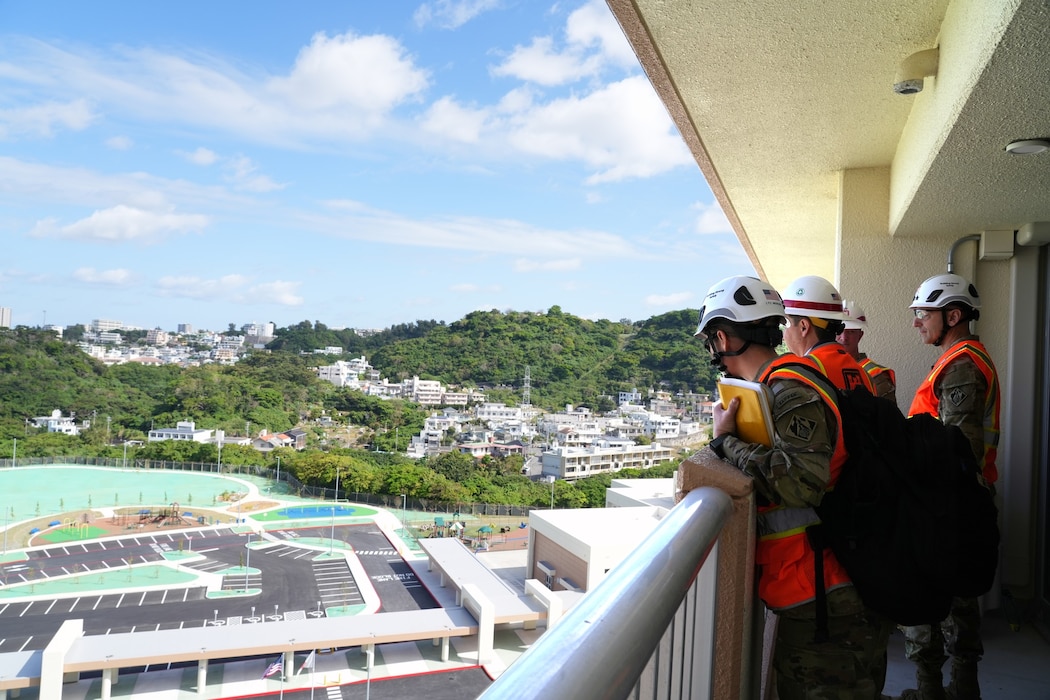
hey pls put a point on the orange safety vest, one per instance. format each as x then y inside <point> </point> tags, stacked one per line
<point>839,366</point>
<point>787,568</point>
<point>927,401</point>
<point>874,369</point>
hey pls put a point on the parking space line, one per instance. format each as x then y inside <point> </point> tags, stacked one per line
<point>75,601</point>
<point>95,607</point>
<point>142,600</point>
<point>26,610</point>
<point>51,606</point>
<point>26,644</point>
<point>119,601</point>
<point>102,544</point>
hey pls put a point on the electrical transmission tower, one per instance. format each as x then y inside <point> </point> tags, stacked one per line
<point>526,398</point>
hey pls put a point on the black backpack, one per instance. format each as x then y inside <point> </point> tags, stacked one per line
<point>910,518</point>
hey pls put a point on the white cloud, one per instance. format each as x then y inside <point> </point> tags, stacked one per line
<point>117,278</point>
<point>711,219</point>
<point>190,287</point>
<point>243,175</point>
<point>43,119</point>
<point>276,292</point>
<point>122,223</point>
<point>541,63</point>
<point>341,87</point>
<point>526,265</point>
<point>621,129</point>
<point>450,14</point>
<point>201,156</point>
<point>453,121</point>
<point>120,143</point>
<point>502,236</point>
<point>675,299</point>
<point>595,24</point>
<point>231,288</point>
<point>362,77</point>
<point>593,41</point>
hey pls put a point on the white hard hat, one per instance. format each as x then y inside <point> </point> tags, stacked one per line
<point>853,316</point>
<point>740,299</point>
<point>941,290</point>
<point>813,296</point>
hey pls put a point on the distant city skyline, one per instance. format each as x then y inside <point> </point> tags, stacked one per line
<point>362,164</point>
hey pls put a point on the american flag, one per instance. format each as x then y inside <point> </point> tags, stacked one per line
<point>276,667</point>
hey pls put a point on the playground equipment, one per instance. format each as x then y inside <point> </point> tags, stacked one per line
<point>165,516</point>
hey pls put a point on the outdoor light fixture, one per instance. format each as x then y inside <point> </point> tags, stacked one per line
<point>1027,147</point>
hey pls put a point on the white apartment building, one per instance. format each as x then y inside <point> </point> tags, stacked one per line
<point>633,396</point>
<point>497,412</point>
<point>343,373</point>
<point>57,423</point>
<point>99,325</point>
<point>422,391</point>
<point>156,336</point>
<point>5,317</point>
<point>185,328</point>
<point>183,430</point>
<point>571,463</point>
<point>262,330</point>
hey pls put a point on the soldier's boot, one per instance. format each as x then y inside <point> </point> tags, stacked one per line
<point>964,685</point>
<point>930,685</point>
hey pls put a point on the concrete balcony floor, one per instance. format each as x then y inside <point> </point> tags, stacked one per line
<point>1016,664</point>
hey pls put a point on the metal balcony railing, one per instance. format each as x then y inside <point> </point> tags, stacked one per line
<point>647,630</point>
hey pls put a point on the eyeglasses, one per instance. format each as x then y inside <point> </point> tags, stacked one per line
<point>922,314</point>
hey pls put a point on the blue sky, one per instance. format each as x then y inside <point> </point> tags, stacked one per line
<point>357,163</point>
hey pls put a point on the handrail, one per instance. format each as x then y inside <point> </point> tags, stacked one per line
<point>601,647</point>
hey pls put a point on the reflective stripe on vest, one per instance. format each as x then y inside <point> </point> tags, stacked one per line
<point>783,553</point>
<point>926,400</point>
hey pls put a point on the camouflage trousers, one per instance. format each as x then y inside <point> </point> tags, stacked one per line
<point>958,636</point>
<point>851,665</point>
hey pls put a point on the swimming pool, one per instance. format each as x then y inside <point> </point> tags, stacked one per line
<point>316,511</point>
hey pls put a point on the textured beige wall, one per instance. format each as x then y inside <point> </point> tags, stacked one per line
<point>882,273</point>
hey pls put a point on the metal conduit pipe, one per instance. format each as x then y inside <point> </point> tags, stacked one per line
<point>975,237</point>
<point>600,648</point>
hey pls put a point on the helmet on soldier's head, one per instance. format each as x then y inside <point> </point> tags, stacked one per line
<point>740,299</point>
<point>853,316</point>
<point>941,290</point>
<point>814,297</point>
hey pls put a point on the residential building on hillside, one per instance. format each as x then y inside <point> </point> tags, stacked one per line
<point>183,430</point>
<point>57,423</point>
<point>632,396</point>
<point>571,463</point>
<point>156,336</point>
<point>99,325</point>
<point>5,317</point>
<point>425,392</point>
<point>185,328</point>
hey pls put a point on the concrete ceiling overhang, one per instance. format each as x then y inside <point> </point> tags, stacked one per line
<point>775,99</point>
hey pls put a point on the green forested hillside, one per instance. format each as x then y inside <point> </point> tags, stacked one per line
<point>569,359</point>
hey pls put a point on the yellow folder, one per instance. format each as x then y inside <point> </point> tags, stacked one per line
<point>754,418</point>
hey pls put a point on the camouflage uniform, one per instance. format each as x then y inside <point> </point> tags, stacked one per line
<point>961,391</point>
<point>795,473</point>
<point>883,381</point>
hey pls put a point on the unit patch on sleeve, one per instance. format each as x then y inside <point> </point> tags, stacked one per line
<point>801,428</point>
